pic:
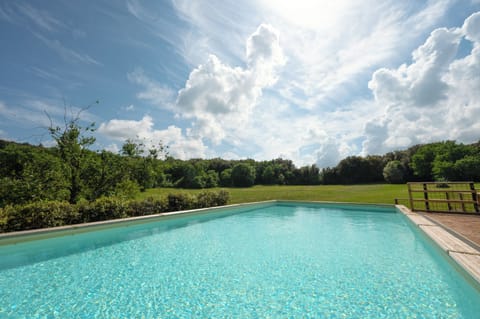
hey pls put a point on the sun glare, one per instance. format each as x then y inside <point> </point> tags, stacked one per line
<point>310,14</point>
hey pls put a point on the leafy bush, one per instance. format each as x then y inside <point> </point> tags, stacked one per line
<point>180,201</point>
<point>103,209</point>
<point>58,213</point>
<point>147,206</point>
<point>37,215</point>
<point>3,220</point>
<point>212,199</point>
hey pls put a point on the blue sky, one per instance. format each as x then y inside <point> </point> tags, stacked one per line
<point>311,81</point>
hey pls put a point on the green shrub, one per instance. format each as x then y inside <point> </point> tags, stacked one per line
<point>103,208</point>
<point>222,198</point>
<point>38,215</point>
<point>211,199</point>
<point>3,220</point>
<point>147,206</point>
<point>180,201</point>
<point>58,213</point>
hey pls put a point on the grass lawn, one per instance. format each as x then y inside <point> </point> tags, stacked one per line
<point>371,193</point>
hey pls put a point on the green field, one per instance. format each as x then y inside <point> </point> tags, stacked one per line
<point>372,193</point>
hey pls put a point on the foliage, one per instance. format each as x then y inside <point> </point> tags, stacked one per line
<point>356,169</point>
<point>126,189</point>
<point>226,178</point>
<point>468,168</point>
<point>58,213</point>
<point>71,142</point>
<point>211,199</point>
<point>30,174</point>
<point>35,173</point>
<point>102,209</point>
<point>147,206</point>
<point>180,201</point>
<point>447,161</point>
<point>436,161</point>
<point>243,175</point>
<point>394,172</point>
<point>37,215</point>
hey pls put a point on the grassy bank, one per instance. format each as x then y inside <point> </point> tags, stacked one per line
<point>377,193</point>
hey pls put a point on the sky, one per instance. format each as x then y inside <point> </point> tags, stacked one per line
<point>311,81</point>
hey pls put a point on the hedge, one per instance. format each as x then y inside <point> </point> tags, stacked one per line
<point>58,213</point>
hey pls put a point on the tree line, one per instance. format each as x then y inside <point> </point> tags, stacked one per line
<point>441,161</point>
<point>31,173</point>
<point>71,172</point>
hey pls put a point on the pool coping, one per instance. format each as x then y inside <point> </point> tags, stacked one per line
<point>461,251</point>
<point>458,248</point>
<point>16,237</point>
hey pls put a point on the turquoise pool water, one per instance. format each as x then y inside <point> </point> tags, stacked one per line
<point>276,261</point>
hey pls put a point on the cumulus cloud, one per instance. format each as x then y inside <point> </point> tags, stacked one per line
<point>420,83</point>
<point>436,97</point>
<point>471,28</point>
<point>328,155</point>
<point>219,97</point>
<point>412,103</point>
<point>182,146</point>
<point>264,54</point>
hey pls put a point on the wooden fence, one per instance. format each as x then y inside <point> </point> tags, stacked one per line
<point>443,197</point>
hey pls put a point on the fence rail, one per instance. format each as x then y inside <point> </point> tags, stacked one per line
<point>443,197</point>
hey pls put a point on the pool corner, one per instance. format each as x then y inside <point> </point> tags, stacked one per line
<point>459,250</point>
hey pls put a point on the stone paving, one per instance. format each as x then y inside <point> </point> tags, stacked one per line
<point>467,226</point>
<point>438,227</point>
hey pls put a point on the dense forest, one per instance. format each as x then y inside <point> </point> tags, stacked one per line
<point>73,172</point>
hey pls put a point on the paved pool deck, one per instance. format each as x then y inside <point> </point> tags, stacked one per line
<point>465,225</point>
<point>457,235</point>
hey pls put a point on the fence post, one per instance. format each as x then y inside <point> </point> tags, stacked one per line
<point>463,204</point>
<point>448,201</point>
<point>425,196</point>
<point>410,196</point>
<point>474,197</point>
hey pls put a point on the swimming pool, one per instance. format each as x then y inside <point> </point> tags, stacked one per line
<point>271,260</point>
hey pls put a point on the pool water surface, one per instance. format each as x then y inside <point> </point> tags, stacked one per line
<point>271,261</point>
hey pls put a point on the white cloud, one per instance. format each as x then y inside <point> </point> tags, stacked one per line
<point>180,145</point>
<point>330,153</point>
<point>326,66</point>
<point>471,27</point>
<point>267,107</point>
<point>113,148</point>
<point>220,98</point>
<point>264,54</point>
<point>153,92</point>
<point>121,130</point>
<point>436,97</point>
